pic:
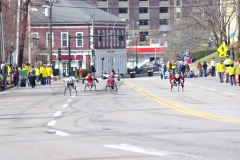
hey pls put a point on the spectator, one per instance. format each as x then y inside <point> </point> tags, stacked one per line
<point>4,73</point>
<point>41,77</point>
<point>221,69</point>
<point>179,68</point>
<point>204,66</point>
<point>44,75</point>
<point>164,69</point>
<point>15,77</point>
<point>1,82</point>
<point>92,69</point>
<point>183,69</point>
<point>239,73</point>
<point>189,60</point>
<point>49,73</point>
<point>199,68</point>
<point>80,73</point>
<point>232,71</point>
<point>193,59</point>
<point>141,69</point>
<point>233,55</point>
<point>32,76</point>
<point>37,73</point>
<point>213,64</point>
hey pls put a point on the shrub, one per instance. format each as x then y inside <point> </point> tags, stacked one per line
<point>85,72</point>
<point>237,54</point>
<point>203,53</point>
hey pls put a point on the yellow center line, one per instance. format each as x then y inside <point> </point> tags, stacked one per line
<point>180,108</point>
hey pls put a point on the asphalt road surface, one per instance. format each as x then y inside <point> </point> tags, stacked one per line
<point>144,120</point>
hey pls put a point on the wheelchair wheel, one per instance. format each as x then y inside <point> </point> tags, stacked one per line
<point>171,87</point>
<point>95,86</point>
<point>65,90</point>
<point>178,86</point>
<point>85,87</point>
<point>116,86</point>
<point>75,89</point>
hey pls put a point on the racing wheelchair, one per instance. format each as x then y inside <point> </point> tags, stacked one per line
<point>90,85</point>
<point>177,84</point>
<point>70,87</point>
<point>111,83</point>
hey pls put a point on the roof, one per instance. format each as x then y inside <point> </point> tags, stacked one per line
<point>75,12</point>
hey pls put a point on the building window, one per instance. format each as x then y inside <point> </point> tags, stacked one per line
<point>48,39</point>
<point>163,21</point>
<point>163,0</point>
<point>102,0</point>
<point>104,9</point>
<point>178,2</point>
<point>123,0</point>
<point>80,64</point>
<point>64,39</point>
<point>143,22</point>
<point>123,10</point>
<point>107,38</point>
<point>143,0</point>
<point>143,10</point>
<point>177,15</point>
<point>34,39</point>
<point>163,10</point>
<point>103,38</point>
<point>79,39</point>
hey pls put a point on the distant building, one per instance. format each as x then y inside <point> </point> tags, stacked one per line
<point>93,28</point>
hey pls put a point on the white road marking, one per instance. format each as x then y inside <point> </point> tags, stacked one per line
<point>147,151</point>
<point>73,96</point>
<point>59,133</point>
<point>15,100</point>
<point>65,105</point>
<point>212,89</point>
<point>69,100</point>
<point>230,93</point>
<point>58,113</point>
<point>51,123</point>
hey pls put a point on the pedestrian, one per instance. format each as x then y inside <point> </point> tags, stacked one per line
<point>189,60</point>
<point>204,67</point>
<point>2,87</point>
<point>92,69</point>
<point>141,69</point>
<point>232,71</point>
<point>220,70</point>
<point>37,74</point>
<point>199,68</point>
<point>32,76</point>
<point>179,68</point>
<point>213,64</point>
<point>41,77</point>
<point>239,73</point>
<point>233,55</point>
<point>80,73</point>
<point>15,77</point>
<point>193,59</point>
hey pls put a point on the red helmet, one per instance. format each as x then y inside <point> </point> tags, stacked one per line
<point>89,75</point>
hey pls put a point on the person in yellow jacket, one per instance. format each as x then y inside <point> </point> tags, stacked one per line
<point>238,73</point>
<point>44,75</point>
<point>232,71</point>
<point>40,77</point>
<point>9,70</point>
<point>49,73</point>
<point>37,73</point>
<point>221,70</point>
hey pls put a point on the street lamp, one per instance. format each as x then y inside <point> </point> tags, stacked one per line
<point>102,65</point>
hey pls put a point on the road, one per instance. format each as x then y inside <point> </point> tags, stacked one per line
<point>143,120</point>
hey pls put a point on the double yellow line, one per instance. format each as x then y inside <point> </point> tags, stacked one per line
<point>180,108</point>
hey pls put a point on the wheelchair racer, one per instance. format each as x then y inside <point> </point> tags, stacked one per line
<point>111,79</point>
<point>89,78</point>
<point>177,78</point>
<point>70,81</point>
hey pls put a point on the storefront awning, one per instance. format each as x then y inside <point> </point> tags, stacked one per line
<point>65,57</point>
<point>79,57</point>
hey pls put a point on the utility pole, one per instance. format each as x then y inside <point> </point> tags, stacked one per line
<point>18,33</point>
<point>50,32</point>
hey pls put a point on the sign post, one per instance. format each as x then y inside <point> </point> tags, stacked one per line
<point>222,51</point>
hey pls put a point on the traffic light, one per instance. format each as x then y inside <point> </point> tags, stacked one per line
<point>142,37</point>
<point>59,54</point>
<point>99,37</point>
<point>93,53</point>
<point>120,37</point>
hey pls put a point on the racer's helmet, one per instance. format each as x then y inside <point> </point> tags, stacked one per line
<point>89,75</point>
<point>112,74</point>
<point>177,75</point>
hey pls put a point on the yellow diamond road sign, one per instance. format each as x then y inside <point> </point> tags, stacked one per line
<point>222,51</point>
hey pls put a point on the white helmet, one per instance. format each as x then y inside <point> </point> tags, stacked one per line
<point>177,75</point>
